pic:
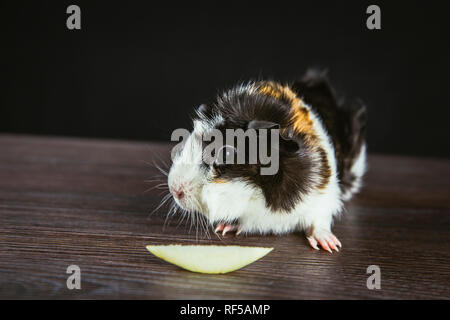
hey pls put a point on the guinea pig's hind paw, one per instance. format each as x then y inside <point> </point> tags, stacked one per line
<point>327,241</point>
<point>225,228</point>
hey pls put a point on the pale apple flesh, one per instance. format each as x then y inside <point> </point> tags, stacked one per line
<point>208,258</point>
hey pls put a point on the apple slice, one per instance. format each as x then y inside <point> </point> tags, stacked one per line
<point>209,259</point>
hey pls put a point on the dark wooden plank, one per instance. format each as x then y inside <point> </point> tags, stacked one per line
<point>73,201</point>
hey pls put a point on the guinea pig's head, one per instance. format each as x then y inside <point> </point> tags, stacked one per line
<point>207,156</point>
<point>187,175</point>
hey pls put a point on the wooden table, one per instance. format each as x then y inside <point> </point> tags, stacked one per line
<point>83,202</point>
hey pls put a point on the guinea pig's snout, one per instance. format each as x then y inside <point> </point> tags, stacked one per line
<point>180,191</point>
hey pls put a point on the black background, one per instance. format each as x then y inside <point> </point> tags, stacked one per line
<point>137,69</point>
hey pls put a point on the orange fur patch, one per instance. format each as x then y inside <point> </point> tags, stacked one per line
<point>218,180</point>
<point>301,121</point>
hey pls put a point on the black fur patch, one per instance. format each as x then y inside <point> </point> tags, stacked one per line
<point>286,188</point>
<point>345,123</point>
<point>282,191</point>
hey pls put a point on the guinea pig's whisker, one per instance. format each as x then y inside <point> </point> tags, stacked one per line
<point>160,179</point>
<point>166,165</point>
<point>161,186</point>
<point>191,216</point>
<point>154,164</point>
<point>163,192</point>
<point>163,201</point>
<point>205,226</point>
<point>181,218</point>
<point>197,224</point>
<point>164,172</point>
<point>147,163</point>
<point>160,159</point>
<point>169,214</point>
<point>202,219</point>
<point>182,215</point>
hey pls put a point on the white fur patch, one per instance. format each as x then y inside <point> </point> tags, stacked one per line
<point>358,169</point>
<point>238,200</point>
<point>186,171</point>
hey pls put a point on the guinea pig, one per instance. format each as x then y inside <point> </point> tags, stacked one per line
<point>322,159</point>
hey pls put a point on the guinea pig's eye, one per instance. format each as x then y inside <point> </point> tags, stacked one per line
<point>225,155</point>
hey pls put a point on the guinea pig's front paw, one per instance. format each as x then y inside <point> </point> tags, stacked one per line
<point>325,238</point>
<point>224,228</point>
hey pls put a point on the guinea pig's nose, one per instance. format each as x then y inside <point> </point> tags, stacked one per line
<point>178,193</point>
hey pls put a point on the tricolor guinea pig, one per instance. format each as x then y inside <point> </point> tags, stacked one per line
<point>321,159</point>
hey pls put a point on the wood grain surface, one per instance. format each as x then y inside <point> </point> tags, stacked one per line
<point>73,201</point>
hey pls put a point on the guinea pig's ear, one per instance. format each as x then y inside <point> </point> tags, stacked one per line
<point>261,124</point>
<point>202,109</point>
<point>287,140</point>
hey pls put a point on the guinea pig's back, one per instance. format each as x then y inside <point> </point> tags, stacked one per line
<point>344,123</point>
